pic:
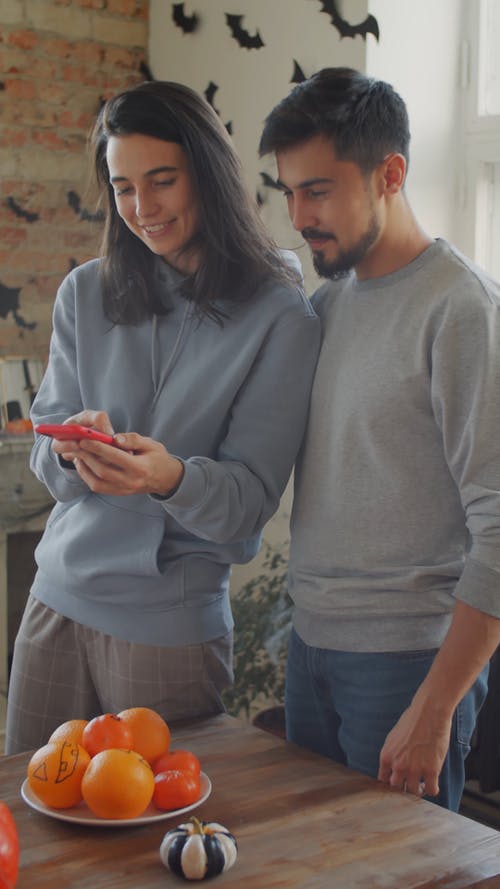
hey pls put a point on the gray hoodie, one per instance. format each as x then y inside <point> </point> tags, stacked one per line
<point>231,402</point>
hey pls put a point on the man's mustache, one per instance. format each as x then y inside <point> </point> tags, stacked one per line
<point>314,234</point>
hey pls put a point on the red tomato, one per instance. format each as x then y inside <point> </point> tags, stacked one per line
<point>9,848</point>
<point>174,789</point>
<point>181,760</point>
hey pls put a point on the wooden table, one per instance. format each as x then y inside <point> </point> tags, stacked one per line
<point>300,820</point>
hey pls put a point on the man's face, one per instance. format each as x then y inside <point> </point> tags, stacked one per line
<point>332,203</point>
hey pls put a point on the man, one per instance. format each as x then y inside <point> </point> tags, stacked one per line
<point>394,560</point>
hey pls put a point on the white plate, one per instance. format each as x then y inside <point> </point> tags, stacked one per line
<point>81,814</point>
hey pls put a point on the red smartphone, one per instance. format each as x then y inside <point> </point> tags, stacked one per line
<point>72,432</point>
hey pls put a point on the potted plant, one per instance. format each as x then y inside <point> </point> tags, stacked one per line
<point>262,613</point>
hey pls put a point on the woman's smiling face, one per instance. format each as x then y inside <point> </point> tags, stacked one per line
<point>154,195</point>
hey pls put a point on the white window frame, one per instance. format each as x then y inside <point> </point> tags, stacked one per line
<point>479,190</point>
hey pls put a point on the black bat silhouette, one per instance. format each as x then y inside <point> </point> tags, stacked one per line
<point>18,210</point>
<point>246,40</point>
<point>210,94</point>
<point>298,75</point>
<point>270,182</point>
<point>76,205</point>
<point>9,302</point>
<point>86,216</point>
<point>345,29</point>
<point>188,23</point>
<point>145,71</point>
<point>74,201</point>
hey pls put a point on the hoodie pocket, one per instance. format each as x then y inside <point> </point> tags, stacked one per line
<point>98,537</point>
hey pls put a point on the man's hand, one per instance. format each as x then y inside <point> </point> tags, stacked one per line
<point>415,749</point>
<point>414,752</point>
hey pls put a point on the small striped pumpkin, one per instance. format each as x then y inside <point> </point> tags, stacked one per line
<point>198,850</point>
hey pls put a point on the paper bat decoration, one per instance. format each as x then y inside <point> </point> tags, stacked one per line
<point>76,205</point>
<point>298,75</point>
<point>209,96</point>
<point>145,71</point>
<point>188,23</point>
<point>269,181</point>
<point>345,29</point>
<point>18,210</point>
<point>9,302</point>
<point>74,201</point>
<point>246,40</point>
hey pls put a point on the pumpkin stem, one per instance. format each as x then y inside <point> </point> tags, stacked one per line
<point>198,827</point>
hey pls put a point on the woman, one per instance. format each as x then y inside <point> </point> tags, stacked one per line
<point>191,342</point>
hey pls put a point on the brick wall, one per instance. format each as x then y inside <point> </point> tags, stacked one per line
<point>58,60</point>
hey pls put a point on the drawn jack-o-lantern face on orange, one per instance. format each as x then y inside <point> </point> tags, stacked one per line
<point>55,773</point>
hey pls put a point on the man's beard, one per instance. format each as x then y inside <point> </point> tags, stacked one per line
<point>347,259</point>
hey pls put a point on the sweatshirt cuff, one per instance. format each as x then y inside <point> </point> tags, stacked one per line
<point>479,587</point>
<point>66,467</point>
<point>65,464</point>
<point>190,490</point>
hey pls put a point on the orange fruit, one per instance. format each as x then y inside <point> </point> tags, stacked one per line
<point>55,773</point>
<point>151,734</point>
<point>106,732</point>
<point>175,789</point>
<point>70,731</point>
<point>118,784</point>
<point>181,760</point>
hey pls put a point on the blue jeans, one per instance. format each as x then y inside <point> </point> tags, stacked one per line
<point>344,704</point>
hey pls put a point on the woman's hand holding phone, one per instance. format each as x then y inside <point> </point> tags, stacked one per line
<point>73,432</point>
<point>87,425</point>
<point>133,465</point>
<point>137,465</point>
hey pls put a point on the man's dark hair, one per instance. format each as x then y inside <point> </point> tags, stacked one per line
<point>236,252</point>
<point>365,118</point>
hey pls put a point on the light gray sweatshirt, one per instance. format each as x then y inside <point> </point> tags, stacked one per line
<point>231,402</point>
<point>397,503</point>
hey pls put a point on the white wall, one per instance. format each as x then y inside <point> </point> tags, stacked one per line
<point>252,81</point>
<point>419,53</point>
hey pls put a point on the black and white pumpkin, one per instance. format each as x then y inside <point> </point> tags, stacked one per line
<point>198,850</point>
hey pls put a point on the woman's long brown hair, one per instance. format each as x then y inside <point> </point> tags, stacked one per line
<point>236,252</point>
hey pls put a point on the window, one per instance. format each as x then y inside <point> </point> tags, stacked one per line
<point>479,193</point>
<point>488,97</point>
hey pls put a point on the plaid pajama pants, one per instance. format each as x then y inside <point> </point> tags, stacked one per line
<point>63,670</point>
